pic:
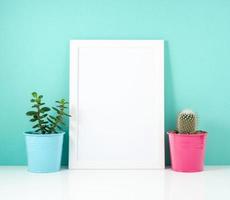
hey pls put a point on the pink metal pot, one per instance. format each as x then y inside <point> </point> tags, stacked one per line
<point>187,151</point>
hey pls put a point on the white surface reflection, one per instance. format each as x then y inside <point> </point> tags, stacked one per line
<point>186,186</point>
<point>212,184</point>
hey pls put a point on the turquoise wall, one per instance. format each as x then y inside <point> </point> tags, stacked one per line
<point>34,55</point>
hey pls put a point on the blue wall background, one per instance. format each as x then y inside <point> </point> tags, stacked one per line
<point>34,55</point>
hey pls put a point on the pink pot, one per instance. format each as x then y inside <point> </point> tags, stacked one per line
<point>187,151</point>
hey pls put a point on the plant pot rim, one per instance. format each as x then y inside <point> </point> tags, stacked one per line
<point>34,134</point>
<point>199,133</point>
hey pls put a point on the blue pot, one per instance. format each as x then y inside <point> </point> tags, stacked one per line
<point>44,151</point>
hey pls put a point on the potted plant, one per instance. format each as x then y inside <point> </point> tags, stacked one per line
<point>44,144</point>
<point>187,145</point>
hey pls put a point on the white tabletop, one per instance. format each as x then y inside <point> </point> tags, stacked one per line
<point>18,183</point>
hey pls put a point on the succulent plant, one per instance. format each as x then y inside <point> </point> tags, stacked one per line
<point>44,122</point>
<point>186,122</point>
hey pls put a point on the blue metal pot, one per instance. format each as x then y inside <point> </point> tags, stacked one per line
<point>44,151</point>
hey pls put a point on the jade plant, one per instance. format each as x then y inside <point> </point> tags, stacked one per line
<point>187,122</point>
<point>44,122</point>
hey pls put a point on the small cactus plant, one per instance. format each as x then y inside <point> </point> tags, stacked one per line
<point>187,122</point>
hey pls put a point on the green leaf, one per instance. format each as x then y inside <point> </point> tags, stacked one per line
<point>34,94</point>
<point>43,122</point>
<point>35,106</point>
<point>56,110</point>
<point>62,106</point>
<point>44,109</point>
<point>35,126</point>
<point>31,113</point>
<point>59,127</point>
<point>37,130</point>
<point>40,97</point>
<point>47,129</point>
<point>67,115</point>
<point>43,116</point>
<point>51,121</point>
<point>32,100</point>
<point>59,118</point>
<point>52,117</point>
<point>33,120</point>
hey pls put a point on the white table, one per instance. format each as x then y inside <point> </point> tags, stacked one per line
<point>212,184</point>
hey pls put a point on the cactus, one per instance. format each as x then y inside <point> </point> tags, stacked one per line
<point>186,122</point>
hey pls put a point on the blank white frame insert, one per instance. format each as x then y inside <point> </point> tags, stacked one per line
<point>116,104</point>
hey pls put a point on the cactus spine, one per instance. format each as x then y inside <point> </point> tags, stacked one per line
<point>186,122</point>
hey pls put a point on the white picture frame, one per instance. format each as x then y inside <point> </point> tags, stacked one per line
<point>116,104</point>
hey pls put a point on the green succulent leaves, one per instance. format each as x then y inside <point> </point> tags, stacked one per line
<point>44,122</point>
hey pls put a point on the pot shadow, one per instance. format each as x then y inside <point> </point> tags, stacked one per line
<point>170,110</point>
